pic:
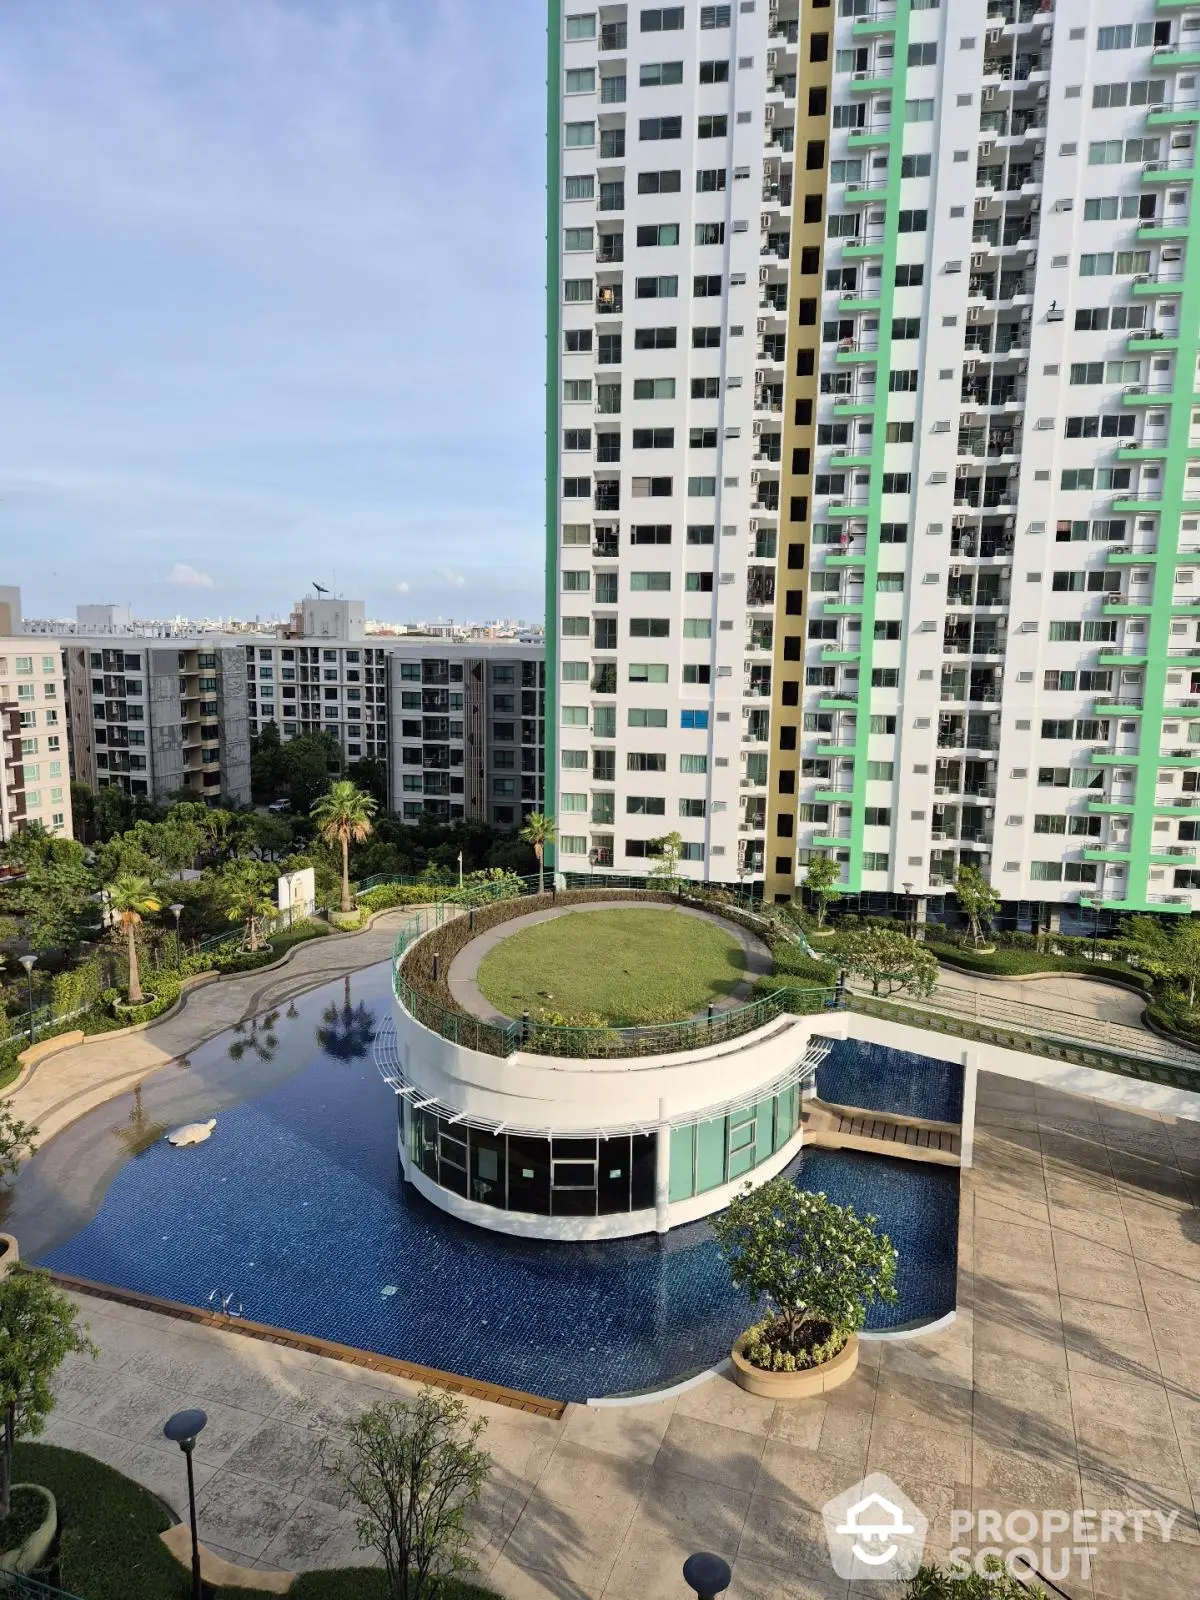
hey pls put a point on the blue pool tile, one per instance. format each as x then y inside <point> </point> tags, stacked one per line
<point>878,1078</point>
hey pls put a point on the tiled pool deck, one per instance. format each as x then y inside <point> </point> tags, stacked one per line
<point>1070,1377</point>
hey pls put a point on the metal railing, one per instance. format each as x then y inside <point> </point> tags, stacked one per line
<point>553,1039</point>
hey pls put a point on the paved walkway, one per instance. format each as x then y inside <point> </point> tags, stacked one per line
<point>66,1085</point>
<point>1071,1377</point>
<point>464,969</point>
<point>1083,996</point>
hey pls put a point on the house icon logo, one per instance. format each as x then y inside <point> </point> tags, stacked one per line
<point>874,1530</point>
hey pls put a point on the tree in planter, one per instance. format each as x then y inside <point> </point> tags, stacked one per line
<point>821,882</point>
<point>248,900</point>
<point>38,1330</point>
<point>819,1265</point>
<point>414,1467</point>
<point>343,816</point>
<point>130,899</point>
<point>888,961</point>
<point>1172,957</point>
<point>665,853</point>
<point>538,832</point>
<point>16,1142</point>
<point>977,900</point>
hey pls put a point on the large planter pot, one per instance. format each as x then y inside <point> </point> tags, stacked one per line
<point>31,1555</point>
<point>806,1385</point>
<point>9,1254</point>
<point>820,933</point>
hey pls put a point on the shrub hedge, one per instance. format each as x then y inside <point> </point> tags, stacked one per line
<point>1015,963</point>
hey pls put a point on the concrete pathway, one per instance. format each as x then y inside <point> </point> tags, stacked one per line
<point>65,1086</point>
<point>1070,1378</point>
<point>1083,996</point>
<point>464,969</point>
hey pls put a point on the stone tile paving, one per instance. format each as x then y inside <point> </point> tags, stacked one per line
<point>1070,1378</point>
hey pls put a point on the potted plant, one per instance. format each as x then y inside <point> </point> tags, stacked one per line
<point>819,1266</point>
<point>38,1330</point>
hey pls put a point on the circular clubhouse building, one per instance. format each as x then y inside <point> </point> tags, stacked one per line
<point>560,1073</point>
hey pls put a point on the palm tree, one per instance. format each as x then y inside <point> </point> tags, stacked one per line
<point>130,898</point>
<point>539,831</point>
<point>249,902</point>
<point>343,815</point>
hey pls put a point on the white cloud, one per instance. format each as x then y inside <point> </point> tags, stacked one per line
<point>454,579</point>
<point>189,577</point>
<point>403,588</point>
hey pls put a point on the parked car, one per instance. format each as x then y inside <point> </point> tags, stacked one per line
<point>279,806</point>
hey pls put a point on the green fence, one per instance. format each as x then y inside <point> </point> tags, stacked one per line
<point>503,1039</point>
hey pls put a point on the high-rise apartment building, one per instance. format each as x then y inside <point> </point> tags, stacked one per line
<point>874,489</point>
<point>35,783</point>
<point>670,217</point>
<point>159,718</point>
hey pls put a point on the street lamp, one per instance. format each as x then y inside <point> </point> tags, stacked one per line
<point>29,962</point>
<point>707,1575</point>
<point>908,916</point>
<point>176,911</point>
<point>183,1428</point>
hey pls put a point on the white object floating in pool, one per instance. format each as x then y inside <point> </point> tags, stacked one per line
<point>192,1132</point>
<point>388,1288</point>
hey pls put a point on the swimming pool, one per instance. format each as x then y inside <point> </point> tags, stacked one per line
<point>878,1078</point>
<point>294,1207</point>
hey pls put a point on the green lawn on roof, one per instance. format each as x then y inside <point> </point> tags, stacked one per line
<point>614,968</point>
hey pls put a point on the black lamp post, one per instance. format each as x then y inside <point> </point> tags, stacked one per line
<point>176,911</point>
<point>183,1428</point>
<point>707,1575</point>
<point>29,962</point>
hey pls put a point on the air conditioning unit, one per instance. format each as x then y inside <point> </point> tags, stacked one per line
<point>769,114</point>
<point>985,147</point>
<point>993,36</point>
<point>762,324</point>
<point>969,366</point>
<point>989,94</point>
<point>980,207</point>
<point>1172,252</point>
<point>758,427</point>
<point>760,375</point>
<point>754,477</point>
<point>974,313</point>
<point>764,274</point>
<point>772,58</point>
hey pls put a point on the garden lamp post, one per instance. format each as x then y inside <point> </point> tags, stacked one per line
<point>184,1428</point>
<point>29,962</point>
<point>908,916</point>
<point>176,911</point>
<point>707,1575</point>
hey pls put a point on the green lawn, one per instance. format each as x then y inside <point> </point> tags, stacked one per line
<point>614,968</point>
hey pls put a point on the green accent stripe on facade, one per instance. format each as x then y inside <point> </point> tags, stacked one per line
<point>883,368</point>
<point>553,384</point>
<point>1158,629</point>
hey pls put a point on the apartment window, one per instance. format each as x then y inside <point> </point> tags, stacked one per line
<point>647,672</point>
<point>644,717</point>
<point>714,72</point>
<point>702,438</point>
<point>578,291</point>
<point>915,166</point>
<point>580,135</point>
<point>706,338</point>
<point>661,288</point>
<point>645,761</point>
<point>698,582</point>
<point>650,128</point>
<point>714,16</point>
<point>705,285</point>
<point>710,180</point>
<point>649,582</point>
<point>654,339</point>
<point>918,111</point>
<point>654,388</point>
<point>659,182</point>
<point>912,221</point>
<point>910,276</point>
<point>697,628</point>
<point>701,487</point>
<point>705,388</point>
<point>576,390</point>
<point>662,19</point>
<point>693,719</point>
<point>650,533</point>
<point>655,74</point>
<point>710,233</point>
<point>576,489</point>
<point>712,127</point>
<point>582,26</point>
<point>700,533</point>
<point>581,80</point>
<point>612,144</point>
<point>649,628</point>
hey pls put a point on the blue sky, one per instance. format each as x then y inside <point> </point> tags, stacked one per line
<point>272,287</point>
